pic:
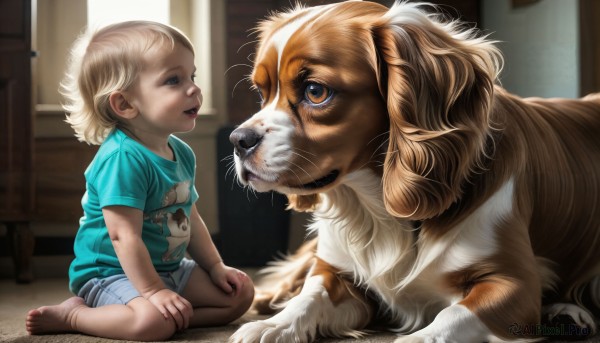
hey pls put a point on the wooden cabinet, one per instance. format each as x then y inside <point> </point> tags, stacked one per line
<point>59,181</point>
<point>16,132</point>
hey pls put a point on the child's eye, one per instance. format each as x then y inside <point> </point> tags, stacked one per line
<point>193,77</point>
<point>172,80</point>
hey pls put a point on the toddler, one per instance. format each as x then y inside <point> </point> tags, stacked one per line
<point>129,87</point>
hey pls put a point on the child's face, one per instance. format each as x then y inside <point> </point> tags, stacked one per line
<point>166,97</point>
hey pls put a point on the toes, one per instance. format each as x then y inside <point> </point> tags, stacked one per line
<point>33,313</point>
<point>31,322</point>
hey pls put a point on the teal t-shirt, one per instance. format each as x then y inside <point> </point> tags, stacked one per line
<point>126,173</point>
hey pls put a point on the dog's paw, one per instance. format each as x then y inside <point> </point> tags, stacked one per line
<point>268,331</point>
<point>578,321</point>
<point>454,324</point>
<point>409,339</point>
<point>252,332</point>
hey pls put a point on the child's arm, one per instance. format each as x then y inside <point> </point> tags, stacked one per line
<point>125,229</point>
<point>205,254</point>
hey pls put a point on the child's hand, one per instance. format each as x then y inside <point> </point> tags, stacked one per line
<point>173,305</point>
<point>230,280</point>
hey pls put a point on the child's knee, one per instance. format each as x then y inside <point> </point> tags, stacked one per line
<point>247,296</point>
<point>152,327</point>
<point>241,302</point>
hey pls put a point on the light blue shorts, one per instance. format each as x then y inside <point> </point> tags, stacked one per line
<point>117,289</point>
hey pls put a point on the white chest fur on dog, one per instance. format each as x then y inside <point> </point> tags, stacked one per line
<point>383,254</point>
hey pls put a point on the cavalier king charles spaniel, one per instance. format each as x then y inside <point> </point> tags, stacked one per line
<point>443,207</point>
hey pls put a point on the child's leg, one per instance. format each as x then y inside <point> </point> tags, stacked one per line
<point>138,320</point>
<point>212,306</point>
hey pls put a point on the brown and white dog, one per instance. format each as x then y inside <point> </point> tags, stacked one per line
<point>445,205</point>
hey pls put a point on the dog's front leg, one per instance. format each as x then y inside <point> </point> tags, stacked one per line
<point>494,310</point>
<point>502,301</point>
<point>328,305</point>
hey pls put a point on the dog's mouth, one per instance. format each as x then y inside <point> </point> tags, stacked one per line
<point>326,180</point>
<point>322,182</point>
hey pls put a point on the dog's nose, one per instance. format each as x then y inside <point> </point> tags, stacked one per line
<point>244,140</point>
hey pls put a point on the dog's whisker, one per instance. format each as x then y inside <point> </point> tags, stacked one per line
<point>247,196</point>
<point>227,158</point>
<point>377,149</point>
<point>230,170</point>
<point>249,58</point>
<point>306,152</point>
<point>239,182</point>
<point>295,174</point>
<point>245,44</point>
<point>235,66</point>
<point>376,137</point>
<point>302,169</point>
<point>308,160</point>
<point>234,180</point>
<point>236,84</point>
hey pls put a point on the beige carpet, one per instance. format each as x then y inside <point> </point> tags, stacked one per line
<point>16,300</point>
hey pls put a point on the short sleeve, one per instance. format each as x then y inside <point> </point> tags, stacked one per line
<point>188,158</point>
<point>194,194</point>
<point>122,180</point>
<point>192,170</point>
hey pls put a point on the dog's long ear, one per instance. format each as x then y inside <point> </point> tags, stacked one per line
<point>438,82</point>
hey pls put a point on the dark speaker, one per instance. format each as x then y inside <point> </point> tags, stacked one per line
<point>254,227</point>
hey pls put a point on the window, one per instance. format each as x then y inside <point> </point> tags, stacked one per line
<point>59,22</point>
<point>103,12</point>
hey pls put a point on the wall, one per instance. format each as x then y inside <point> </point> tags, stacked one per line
<point>540,46</point>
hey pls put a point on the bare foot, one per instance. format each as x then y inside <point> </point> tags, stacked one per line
<point>53,319</point>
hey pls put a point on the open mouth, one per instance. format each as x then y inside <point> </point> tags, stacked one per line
<point>322,182</point>
<point>191,111</point>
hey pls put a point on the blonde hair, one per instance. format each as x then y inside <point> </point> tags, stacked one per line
<point>104,61</point>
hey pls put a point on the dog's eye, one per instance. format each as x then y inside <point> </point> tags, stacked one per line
<point>317,94</point>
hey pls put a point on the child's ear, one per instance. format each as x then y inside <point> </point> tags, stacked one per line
<point>121,106</point>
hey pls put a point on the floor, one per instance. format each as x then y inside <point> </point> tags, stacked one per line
<point>16,300</point>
